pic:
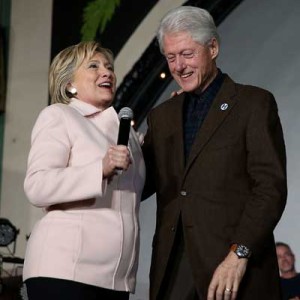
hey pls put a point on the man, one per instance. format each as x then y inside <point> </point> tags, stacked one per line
<point>290,279</point>
<point>216,159</point>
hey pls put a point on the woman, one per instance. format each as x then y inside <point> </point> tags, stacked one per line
<point>86,245</point>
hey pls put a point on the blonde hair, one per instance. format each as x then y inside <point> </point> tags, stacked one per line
<point>64,65</point>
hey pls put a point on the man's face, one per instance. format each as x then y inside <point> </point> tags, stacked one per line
<point>286,259</point>
<point>192,65</point>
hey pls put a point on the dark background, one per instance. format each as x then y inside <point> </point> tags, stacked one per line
<point>67,20</point>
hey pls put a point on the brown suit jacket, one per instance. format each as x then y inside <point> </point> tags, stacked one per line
<point>231,190</point>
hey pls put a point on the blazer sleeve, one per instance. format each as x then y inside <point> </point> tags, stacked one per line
<point>147,148</point>
<point>266,166</point>
<point>49,178</point>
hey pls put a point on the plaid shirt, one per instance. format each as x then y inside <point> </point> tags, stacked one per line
<point>195,110</point>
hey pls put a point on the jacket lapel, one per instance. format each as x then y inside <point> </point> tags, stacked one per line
<point>176,132</point>
<point>220,109</point>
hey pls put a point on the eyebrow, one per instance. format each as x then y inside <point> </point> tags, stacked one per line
<point>93,60</point>
<point>175,53</point>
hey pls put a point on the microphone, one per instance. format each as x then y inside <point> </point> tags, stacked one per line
<point>125,116</point>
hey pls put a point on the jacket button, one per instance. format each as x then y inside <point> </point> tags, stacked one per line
<point>173,228</point>
<point>183,193</point>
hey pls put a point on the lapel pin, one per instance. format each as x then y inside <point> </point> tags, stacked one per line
<point>224,106</point>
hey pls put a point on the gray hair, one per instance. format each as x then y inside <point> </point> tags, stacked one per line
<point>196,21</point>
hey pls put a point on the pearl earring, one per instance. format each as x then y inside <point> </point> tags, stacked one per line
<point>73,90</point>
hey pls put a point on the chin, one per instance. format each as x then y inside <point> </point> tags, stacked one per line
<point>188,89</point>
<point>106,104</point>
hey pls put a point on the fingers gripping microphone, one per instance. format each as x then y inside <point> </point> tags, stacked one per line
<point>125,116</point>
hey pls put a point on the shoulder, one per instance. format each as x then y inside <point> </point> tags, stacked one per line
<point>245,90</point>
<point>249,97</point>
<point>253,91</point>
<point>57,111</point>
<point>298,277</point>
<point>169,106</point>
<point>53,110</point>
<point>52,116</point>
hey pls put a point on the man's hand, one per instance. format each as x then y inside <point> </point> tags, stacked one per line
<point>117,157</point>
<point>227,277</point>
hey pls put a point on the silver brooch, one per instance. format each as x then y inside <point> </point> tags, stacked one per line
<point>224,106</point>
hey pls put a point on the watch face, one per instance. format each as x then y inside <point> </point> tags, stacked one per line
<point>242,251</point>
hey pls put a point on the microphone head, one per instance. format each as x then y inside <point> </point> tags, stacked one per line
<point>126,113</point>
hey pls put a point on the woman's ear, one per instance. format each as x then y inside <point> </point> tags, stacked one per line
<point>71,89</point>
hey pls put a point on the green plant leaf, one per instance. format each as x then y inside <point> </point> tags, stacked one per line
<point>95,17</point>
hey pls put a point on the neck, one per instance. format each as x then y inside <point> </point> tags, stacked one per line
<point>209,80</point>
<point>288,274</point>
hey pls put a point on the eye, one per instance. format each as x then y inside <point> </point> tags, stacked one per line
<point>170,58</point>
<point>110,67</point>
<point>93,65</point>
<point>188,54</point>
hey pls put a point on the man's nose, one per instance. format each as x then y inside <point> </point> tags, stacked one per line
<point>179,63</point>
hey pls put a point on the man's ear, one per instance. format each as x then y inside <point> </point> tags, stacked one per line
<point>214,48</point>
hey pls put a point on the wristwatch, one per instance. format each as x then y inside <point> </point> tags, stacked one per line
<point>241,250</point>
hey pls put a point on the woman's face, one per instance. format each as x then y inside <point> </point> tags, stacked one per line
<point>95,81</point>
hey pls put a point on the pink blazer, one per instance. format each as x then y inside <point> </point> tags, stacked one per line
<point>90,231</point>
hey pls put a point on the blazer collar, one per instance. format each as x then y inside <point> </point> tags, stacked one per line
<point>85,109</point>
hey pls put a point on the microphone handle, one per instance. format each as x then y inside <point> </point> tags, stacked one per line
<point>124,131</point>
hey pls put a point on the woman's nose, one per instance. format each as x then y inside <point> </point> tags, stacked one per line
<point>105,73</point>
